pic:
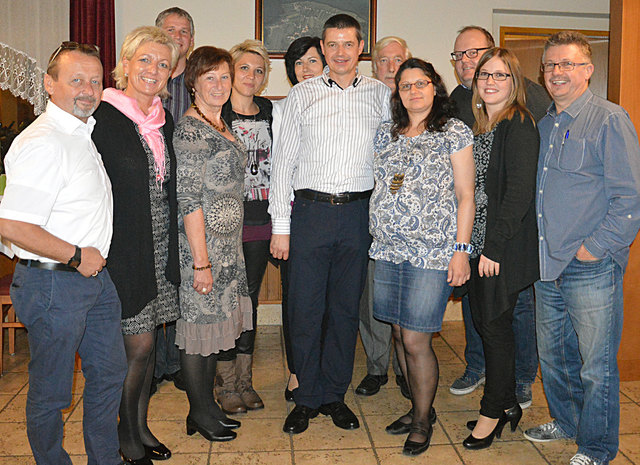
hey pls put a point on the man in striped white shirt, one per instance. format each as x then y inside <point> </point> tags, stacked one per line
<point>325,153</point>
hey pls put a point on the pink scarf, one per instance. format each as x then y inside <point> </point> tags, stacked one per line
<point>148,125</point>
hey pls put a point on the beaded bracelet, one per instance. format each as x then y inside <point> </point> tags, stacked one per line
<point>463,247</point>
<point>202,268</point>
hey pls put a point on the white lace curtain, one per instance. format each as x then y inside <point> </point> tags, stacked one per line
<point>29,32</point>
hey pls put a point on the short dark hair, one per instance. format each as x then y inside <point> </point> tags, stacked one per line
<point>342,21</point>
<point>487,34</point>
<point>569,38</point>
<point>441,110</point>
<point>297,50</point>
<point>202,60</point>
<point>175,11</point>
<point>68,47</point>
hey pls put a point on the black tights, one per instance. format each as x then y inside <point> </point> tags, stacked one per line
<point>133,430</point>
<point>256,254</point>
<point>199,373</point>
<point>419,366</point>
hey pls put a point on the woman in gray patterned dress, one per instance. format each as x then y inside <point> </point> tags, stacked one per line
<point>134,136</point>
<point>214,301</point>
<point>421,216</point>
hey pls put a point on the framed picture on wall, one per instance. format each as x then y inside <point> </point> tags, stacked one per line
<point>280,22</point>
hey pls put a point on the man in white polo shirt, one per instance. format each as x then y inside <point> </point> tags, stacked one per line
<point>57,212</point>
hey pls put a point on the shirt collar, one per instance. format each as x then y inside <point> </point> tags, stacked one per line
<point>330,82</point>
<point>66,121</point>
<point>574,109</point>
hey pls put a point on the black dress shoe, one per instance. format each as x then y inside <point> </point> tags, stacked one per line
<point>229,422</point>
<point>341,415</point>
<point>414,447</point>
<point>159,452</point>
<point>141,461</point>
<point>219,434</point>
<point>512,416</point>
<point>298,420</point>
<point>370,384</point>
<point>404,387</point>
<point>398,427</point>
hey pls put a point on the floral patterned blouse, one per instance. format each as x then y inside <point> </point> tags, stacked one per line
<point>413,218</point>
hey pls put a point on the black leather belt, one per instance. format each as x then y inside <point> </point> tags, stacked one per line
<point>47,266</point>
<point>333,199</point>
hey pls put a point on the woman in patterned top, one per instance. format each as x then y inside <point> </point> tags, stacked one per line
<point>421,216</point>
<point>134,135</point>
<point>214,300</point>
<point>505,259</point>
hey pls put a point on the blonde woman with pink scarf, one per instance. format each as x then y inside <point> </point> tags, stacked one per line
<point>134,134</point>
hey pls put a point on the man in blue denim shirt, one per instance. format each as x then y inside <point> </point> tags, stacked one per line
<point>588,207</point>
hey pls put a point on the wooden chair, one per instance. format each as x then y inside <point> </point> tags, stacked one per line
<point>9,314</point>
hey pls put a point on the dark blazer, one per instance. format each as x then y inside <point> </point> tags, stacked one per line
<point>511,237</point>
<point>131,262</point>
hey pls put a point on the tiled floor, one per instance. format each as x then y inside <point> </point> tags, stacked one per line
<point>261,440</point>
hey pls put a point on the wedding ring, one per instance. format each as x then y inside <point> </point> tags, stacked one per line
<point>204,289</point>
<point>95,274</point>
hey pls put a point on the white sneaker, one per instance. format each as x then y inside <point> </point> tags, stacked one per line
<point>581,459</point>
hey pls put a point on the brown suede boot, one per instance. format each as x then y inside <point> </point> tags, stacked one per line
<point>225,388</point>
<point>243,382</point>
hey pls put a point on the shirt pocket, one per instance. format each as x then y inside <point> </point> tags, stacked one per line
<point>571,155</point>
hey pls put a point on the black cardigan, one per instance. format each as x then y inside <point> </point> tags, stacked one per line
<point>511,237</point>
<point>131,260</point>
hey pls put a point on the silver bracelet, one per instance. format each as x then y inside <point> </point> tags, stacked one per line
<point>463,247</point>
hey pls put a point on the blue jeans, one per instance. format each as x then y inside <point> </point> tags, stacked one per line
<point>65,312</point>
<point>525,334</point>
<point>579,326</point>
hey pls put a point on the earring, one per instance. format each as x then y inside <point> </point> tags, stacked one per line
<point>478,105</point>
<point>126,74</point>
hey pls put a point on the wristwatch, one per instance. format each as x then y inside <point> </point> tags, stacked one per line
<point>74,262</point>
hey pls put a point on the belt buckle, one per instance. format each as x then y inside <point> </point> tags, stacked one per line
<point>338,199</point>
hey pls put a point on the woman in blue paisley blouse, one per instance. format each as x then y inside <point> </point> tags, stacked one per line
<point>421,217</point>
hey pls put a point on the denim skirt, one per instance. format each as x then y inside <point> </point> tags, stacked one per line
<point>413,298</point>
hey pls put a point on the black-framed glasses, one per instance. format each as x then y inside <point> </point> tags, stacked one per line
<point>563,66</point>
<point>406,86</point>
<point>470,52</point>
<point>483,76</point>
<point>71,45</point>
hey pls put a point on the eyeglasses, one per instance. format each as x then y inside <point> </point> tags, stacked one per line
<point>471,53</point>
<point>483,76</point>
<point>70,45</point>
<point>406,86</point>
<point>563,65</point>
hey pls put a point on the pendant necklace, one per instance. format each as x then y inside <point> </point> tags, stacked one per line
<point>398,178</point>
<point>215,126</point>
<point>252,142</point>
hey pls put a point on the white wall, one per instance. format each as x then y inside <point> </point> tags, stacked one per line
<point>429,26</point>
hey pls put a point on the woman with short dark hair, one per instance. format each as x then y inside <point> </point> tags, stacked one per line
<point>303,60</point>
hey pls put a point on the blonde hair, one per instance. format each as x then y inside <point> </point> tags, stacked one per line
<point>382,43</point>
<point>517,100</point>
<point>133,41</point>
<point>255,47</point>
